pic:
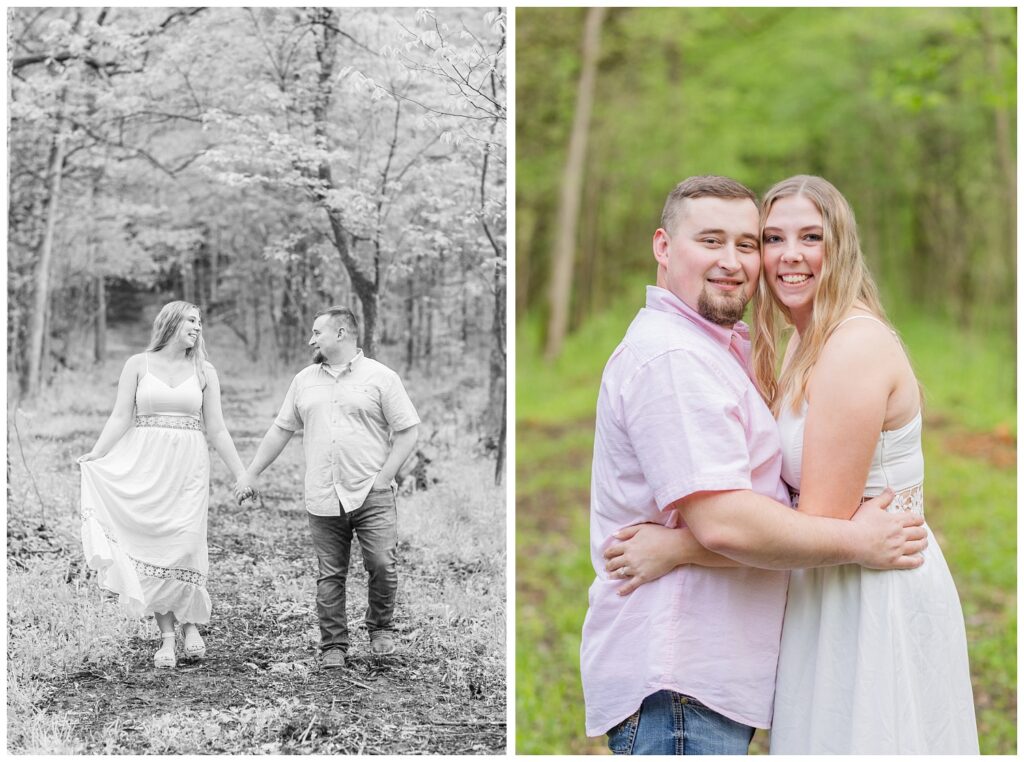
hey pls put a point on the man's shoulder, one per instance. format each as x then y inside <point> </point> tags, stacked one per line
<point>654,334</point>
<point>658,346</point>
<point>377,369</point>
<point>306,373</point>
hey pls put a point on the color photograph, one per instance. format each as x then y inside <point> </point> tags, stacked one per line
<point>766,380</point>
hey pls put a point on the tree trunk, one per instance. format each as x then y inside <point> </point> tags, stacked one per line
<point>1003,132</point>
<point>560,292</point>
<point>100,319</point>
<point>1007,164</point>
<point>497,394</point>
<point>188,292</point>
<point>410,325</point>
<point>526,228</point>
<point>37,318</point>
<point>366,289</point>
<point>214,268</point>
<point>464,326</point>
<point>371,306</point>
<point>499,465</point>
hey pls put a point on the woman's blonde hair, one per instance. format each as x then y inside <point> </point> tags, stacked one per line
<point>166,325</point>
<point>844,279</point>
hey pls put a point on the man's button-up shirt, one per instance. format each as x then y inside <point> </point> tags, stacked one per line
<point>347,415</point>
<point>678,414</point>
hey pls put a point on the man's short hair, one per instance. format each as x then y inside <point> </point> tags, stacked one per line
<point>342,316</point>
<point>700,186</point>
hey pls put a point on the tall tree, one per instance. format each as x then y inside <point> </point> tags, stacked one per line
<point>564,253</point>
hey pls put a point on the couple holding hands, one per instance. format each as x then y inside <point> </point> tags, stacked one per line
<point>146,482</point>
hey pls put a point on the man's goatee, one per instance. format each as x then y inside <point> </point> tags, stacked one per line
<point>725,310</point>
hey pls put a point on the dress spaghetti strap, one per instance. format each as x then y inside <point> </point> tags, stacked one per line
<point>866,317</point>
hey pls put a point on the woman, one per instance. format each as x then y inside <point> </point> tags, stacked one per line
<point>146,488</point>
<point>870,661</point>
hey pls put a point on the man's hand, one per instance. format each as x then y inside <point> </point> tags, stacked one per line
<point>890,540</point>
<point>646,552</point>
<point>245,488</point>
<point>381,482</point>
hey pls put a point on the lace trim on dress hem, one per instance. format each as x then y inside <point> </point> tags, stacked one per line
<point>188,576</point>
<point>910,500</point>
<point>168,422</point>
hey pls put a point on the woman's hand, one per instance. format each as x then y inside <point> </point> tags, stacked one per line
<point>646,552</point>
<point>244,488</point>
<point>89,456</point>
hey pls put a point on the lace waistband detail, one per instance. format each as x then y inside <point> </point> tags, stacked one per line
<point>910,500</point>
<point>168,422</point>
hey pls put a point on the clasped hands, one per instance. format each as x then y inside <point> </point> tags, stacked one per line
<point>245,488</point>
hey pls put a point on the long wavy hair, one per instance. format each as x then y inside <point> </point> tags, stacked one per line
<point>166,325</point>
<point>843,281</point>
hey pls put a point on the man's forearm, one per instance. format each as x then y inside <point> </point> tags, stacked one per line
<point>271,445</point>
<point>402,445</point>
<point>757,531</point>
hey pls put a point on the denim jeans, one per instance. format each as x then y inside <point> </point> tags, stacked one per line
<point>670,723</point>
<point>375,524</point>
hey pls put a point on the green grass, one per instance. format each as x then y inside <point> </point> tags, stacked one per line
<point>971,487</point>
<point>968,378</point>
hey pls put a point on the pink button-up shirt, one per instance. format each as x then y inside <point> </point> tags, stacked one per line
<point>678,414</point>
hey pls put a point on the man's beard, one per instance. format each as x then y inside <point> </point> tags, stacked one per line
<point>318,357</point>
<point>721,309</point>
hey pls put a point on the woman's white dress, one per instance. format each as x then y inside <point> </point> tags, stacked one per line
<point>144,506</point>
<point>873,662</point>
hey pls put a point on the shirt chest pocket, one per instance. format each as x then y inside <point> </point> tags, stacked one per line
<point>357,400</point>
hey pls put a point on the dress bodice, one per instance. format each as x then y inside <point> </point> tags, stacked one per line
<point>897,462</point>
<point>154,397</point>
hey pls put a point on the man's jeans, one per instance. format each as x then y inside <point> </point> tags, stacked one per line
<point>670,723</point>
<point>375,523</point>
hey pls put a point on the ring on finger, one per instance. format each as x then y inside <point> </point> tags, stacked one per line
<point>623,572</point>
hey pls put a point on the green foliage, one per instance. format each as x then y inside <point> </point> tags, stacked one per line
<point>970,456</point>
<point>910,112</point>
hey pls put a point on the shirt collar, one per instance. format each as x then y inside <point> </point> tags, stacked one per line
<point>343,368</point>
<point>664,300</point>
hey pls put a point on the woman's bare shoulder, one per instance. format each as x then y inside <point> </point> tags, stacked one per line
<point>136,362</point>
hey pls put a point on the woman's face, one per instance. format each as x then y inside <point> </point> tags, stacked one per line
<point>793,249</point>
<point>190,328</point>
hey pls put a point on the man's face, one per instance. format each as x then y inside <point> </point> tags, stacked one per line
<point>712,258</point>
<point>326,338</point>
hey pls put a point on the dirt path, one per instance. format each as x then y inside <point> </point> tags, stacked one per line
<point>261,689</point>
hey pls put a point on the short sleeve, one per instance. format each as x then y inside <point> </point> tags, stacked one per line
<point>288,416</point>
<point>685,418</point>
<point>396,405</point>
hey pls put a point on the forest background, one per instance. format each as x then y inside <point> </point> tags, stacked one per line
<point>262,163</point>
<point>911,113</point>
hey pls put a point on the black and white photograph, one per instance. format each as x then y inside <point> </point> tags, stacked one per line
<point>256,380</point>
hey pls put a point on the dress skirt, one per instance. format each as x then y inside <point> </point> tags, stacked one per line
<point>874,662</point>
<point>144,519</point>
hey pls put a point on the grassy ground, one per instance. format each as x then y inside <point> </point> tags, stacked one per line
<point>970,451</point>
<point>81,677</point>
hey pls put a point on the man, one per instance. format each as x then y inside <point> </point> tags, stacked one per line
<point>686,663</point>
<point>359,426</point>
